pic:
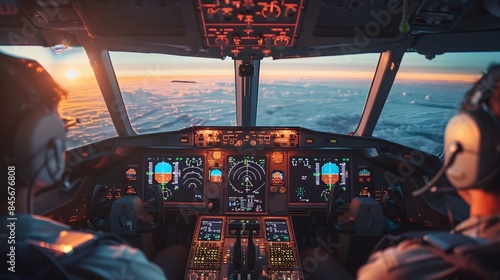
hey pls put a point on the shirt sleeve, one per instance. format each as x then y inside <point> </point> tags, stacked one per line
<point>119,262</point>
<point>378,266</point>
<point>408,260</point>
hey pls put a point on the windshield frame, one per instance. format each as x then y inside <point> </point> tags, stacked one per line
<point>247,90</point>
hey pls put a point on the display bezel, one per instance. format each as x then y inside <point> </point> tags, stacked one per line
<point>199,233</point>
<point>264,188</point>
<point>274,221</point>
<point>189,205</point>
<point>346,195</point>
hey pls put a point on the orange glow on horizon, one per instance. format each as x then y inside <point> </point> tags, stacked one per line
<point>437,77</point>
<point>314,74</point>
<point>302,75</point>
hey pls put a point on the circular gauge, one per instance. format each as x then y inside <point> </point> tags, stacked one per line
<point>131,175</point>
<point>277,157</point>
<point>277,177</point>
<point>364,176</point>
<point>215,175</point>
<point>216,155</point>
<point>246,174</point>
<point>271,10</point>
<point>192,174</point>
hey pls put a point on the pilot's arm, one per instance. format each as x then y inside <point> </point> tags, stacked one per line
<point>408,260</point>
<point>120,261</point>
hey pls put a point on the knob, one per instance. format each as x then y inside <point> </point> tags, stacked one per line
<point>211,276</point>
<point>193,276</point>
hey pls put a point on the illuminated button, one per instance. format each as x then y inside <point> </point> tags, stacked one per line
<point>216,155</point>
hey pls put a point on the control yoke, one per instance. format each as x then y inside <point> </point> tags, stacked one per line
<point>127,214</point>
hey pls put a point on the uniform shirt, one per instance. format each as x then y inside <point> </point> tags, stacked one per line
<point>410,260</point>
<point>108,261</point>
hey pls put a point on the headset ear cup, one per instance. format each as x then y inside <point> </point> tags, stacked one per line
<point>478,136</point>
<point>39,145</point>
<point>463,130</point>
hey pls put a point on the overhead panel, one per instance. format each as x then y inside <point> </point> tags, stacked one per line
<point>439,16</point>
<point>250,29</point>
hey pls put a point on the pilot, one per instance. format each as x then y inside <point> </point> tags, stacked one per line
<point>32,159</point>
<point>472,155</point>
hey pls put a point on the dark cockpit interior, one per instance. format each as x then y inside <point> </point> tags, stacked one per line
<point>247,200</point>
<point>254,29</point>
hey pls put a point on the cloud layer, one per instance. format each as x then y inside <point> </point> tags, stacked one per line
<point>415,114</point>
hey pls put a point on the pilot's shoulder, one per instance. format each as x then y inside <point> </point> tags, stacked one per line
<point>408,260</point>
<point>120,261</point>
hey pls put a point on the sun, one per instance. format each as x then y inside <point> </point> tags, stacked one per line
<point>72,73</point>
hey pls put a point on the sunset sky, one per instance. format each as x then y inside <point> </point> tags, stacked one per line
<point>155,104</point>
<point>72,65</point>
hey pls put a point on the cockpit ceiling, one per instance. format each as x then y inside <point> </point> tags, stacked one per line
<point>258,28</point>
<point>252,29</point>
<point>133,18</point>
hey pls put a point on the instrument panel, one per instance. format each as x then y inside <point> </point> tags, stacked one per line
<point>246,183</point>
<point>273,181</point>
<point>249,171</point>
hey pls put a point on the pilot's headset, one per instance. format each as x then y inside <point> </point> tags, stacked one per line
<point>37,145</point>
<point>472,138</point>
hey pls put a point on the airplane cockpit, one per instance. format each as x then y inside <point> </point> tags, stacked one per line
<point>250,131</point>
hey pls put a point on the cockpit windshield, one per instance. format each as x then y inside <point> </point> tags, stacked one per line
<point>426,94</point>
<point>324,94</point>
<point>70,67</point>
<point>166,93</point>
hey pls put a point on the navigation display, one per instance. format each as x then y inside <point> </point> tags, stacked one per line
<point>277,231</point>
<point>312,178</point>
<point>210,230</point>
<point>247,183</point>
<point>181,178</point>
